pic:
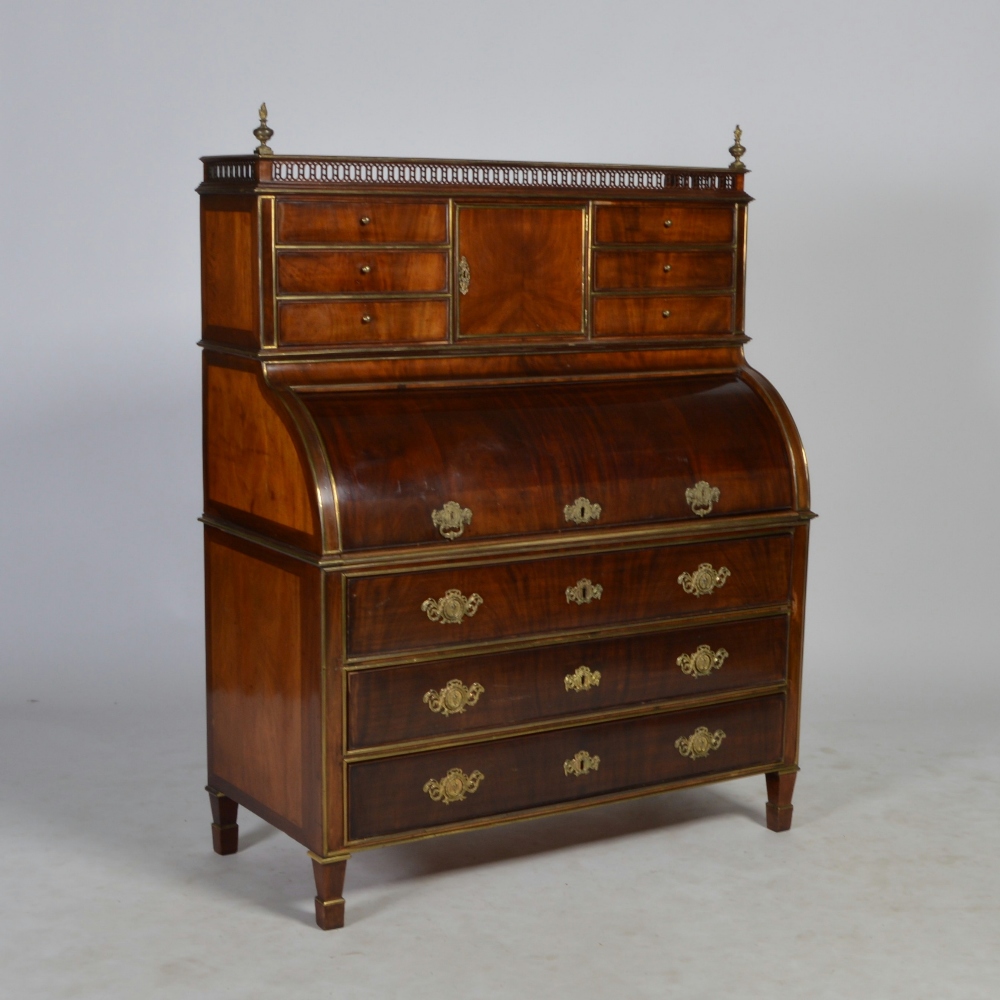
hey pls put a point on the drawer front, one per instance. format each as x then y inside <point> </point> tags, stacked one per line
<point>663,315</point>
<point>361,221</point>
<point>388,321</point>
<point>328,272</point>
<point>423,791</point>
<point>622,269</point>
<point>404,611</point>
<point>664,222</point>
<point>466,694</point>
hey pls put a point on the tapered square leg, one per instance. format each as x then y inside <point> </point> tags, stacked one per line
<point>329,874</point>
<point>225,832</point>
<point>780,786</point>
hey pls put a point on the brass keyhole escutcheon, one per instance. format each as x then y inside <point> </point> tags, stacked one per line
<point>582,511</point>
<point>583,592</point>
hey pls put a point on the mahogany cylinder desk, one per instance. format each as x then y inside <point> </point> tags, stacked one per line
<point>498,520</point>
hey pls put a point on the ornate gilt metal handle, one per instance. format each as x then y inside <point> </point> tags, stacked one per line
<point>702,661</point>
<point>699,743</point>
<point>582,511</point>
<point>582,679</point>
<point>454,786</point>
<point>704,579</point>
<point>451,519</point>
<point>583,592</point>
<point>452,608</point>
<point>464,275</point>
<point>453,698</point>
<point>581,763</point>
<point>701,496</point>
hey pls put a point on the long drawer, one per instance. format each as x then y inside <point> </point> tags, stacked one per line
<point>415,610</point>
<point>320,272</point>
<point>617,270</point>
<point>662,315</point>
<point>472,693</point>
<point>422,791</point>
<point>375,321</point>
<point>363,221</point>
<point>664,222</point>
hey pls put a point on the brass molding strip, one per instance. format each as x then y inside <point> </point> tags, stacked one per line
<point>328,859</point>
<point>428,556</point>
<point>622,712</point>
<point>635,293</point>
<point>361,297</point>
<point>363,247</point>
<point>597,800</point>
<point>597,540</point>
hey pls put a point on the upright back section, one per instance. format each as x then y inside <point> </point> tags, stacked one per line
<point>498,521</point>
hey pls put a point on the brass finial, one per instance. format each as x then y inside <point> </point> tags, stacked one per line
<point>263,133</point>
<point>736,151</point>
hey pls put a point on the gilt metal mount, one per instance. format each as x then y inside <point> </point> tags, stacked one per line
<point>263,133</point>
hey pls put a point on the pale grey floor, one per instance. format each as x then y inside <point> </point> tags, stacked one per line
<point>886,887</point>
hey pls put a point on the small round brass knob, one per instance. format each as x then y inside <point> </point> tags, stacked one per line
<point>366,318</point>
<point>365,269</point>
<point>666,267</point>
<point>668,223</point>
<point>666,313</point>
<point>365,220</point>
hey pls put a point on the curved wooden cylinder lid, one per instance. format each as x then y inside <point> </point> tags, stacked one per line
<point>523,460</point>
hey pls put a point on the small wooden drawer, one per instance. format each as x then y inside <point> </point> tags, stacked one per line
<point>386,321</point>
<point>322,272</point>
<point>622,269</point>
<point>397,612</point>
<point>662,315</point>
<point>469,694</point>
<point>422,791</point>
<point>664,222</point>
<point>361,222</point>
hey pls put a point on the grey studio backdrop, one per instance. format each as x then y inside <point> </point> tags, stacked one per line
<point>872,132</point>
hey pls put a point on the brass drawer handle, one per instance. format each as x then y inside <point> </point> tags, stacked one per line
<point>701,496</point>
<point>453,698</point>
<point>699,743</point>
<point>704,579</point>
<point>366,269</point>
<point>365,220</point>
<point>583,592</point>
<point>667,223</point>
<point>454,786</point>
<point>464,276</point>
<point>582,679</point>
<point>580,764</point>
<point>452,608</point>
<point>366,318</point>
<point>582,511</point>
<point>451,519</point>
<point>666,314</point>
<point>702,661</point>
<point>666,268</point>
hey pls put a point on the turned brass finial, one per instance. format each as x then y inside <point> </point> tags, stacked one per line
<point>736,150</point>
<point>263,133</point>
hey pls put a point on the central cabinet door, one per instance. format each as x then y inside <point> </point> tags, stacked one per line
<point>520,271</point>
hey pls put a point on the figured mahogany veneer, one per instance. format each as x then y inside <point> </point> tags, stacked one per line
<point>386,797</point>
<point>524,686</point>
<point>499,521</point>
<point>526,598</point>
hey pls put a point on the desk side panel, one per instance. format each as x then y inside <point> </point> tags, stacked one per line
<point>263,679</point>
